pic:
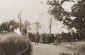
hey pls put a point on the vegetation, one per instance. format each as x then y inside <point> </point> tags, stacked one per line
<point>78,11</point>
<point>8,26</point>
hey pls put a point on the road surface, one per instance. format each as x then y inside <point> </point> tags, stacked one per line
<point>49,49</point>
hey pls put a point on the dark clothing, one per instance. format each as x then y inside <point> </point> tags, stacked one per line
<point>24,32</point>
<point>36,39</point>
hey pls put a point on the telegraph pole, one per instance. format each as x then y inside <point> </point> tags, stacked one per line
<point>50,25</point>
<point>19,16</point>
<point>37,24</point>
<point>50,21</point>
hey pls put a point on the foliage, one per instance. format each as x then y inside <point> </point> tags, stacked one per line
<point>78,11</point>
<point>58,12</point>
<point>8,26</point>
<point>4,26</point>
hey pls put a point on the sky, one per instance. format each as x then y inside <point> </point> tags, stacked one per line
<point>9,9</point>
<point>67,6</point>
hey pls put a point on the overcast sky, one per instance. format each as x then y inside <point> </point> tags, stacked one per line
<point>9,9</point>
<point>30,9</point>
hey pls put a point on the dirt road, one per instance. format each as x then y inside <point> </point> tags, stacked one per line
<point>48,49</point>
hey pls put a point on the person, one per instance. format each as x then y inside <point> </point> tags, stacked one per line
<point>14,44</point>
<point>24,32</point>
<point>46,39</point>
<point>41,39</point>
<point>36,39</point>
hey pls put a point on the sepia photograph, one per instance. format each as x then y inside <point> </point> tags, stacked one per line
<point>42,27</point>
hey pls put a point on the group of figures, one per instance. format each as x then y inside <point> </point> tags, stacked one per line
<point>40,39</point>
<point>44,38</point>
<point>70,53</point>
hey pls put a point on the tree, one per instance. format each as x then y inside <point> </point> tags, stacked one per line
<point>4,27</point>
<point>59,13</point>
<point>13,25</point>
<point>78,11</point>
<point>8,26</point>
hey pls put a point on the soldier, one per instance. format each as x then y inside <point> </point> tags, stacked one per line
<point>24,32</point>
<point>41,39</point>
<point>37,38</point>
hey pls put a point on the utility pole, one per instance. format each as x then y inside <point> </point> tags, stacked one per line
<point>50,25</point>
<point>19,16</point>
<point>50,21</point>
<point>37,24</point>
<point>37,27</point>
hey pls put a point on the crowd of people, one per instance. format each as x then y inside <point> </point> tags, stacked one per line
<point>43,38</point>
<point>52,38</point>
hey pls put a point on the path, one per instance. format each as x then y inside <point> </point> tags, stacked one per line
<point>48,49</point>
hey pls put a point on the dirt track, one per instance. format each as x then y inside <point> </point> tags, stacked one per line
<point>48,49</point>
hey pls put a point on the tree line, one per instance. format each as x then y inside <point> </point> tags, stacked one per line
<point>78,11</point>
<point>8,26</point>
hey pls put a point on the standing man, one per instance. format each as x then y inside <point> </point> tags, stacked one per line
<point>24,32</point>
<point>37,38</point>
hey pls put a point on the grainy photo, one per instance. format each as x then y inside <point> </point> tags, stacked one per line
<point>42,27</point>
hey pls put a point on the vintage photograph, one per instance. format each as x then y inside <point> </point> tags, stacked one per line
<point>42,27</point>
